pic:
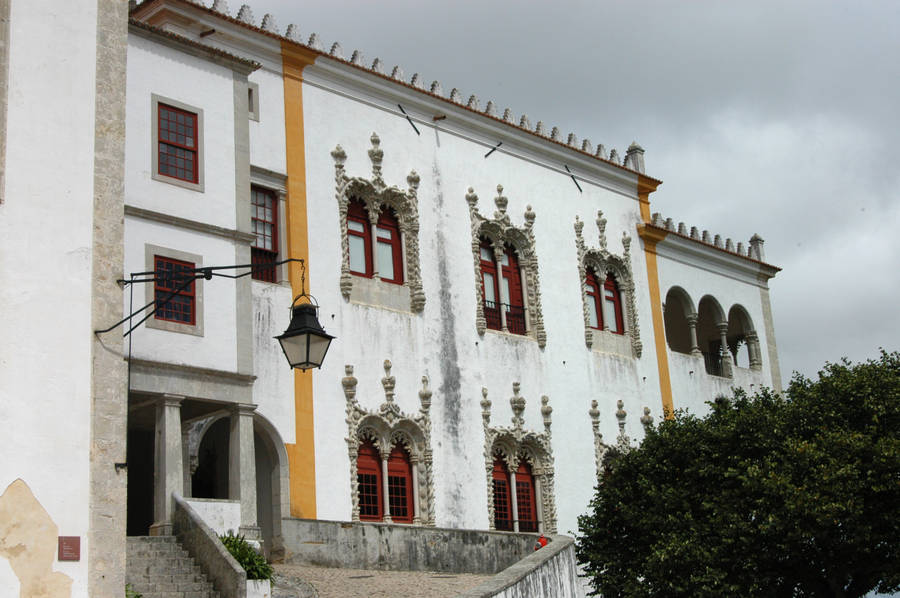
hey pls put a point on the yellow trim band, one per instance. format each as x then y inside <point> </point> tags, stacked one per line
<point>651,237</point>
<point>301,454</point>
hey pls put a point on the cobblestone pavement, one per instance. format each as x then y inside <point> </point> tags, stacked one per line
<point>364,583</point>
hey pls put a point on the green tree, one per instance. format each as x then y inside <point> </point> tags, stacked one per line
<point>769,495</point>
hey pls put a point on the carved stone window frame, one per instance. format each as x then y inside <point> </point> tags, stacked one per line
<point>602,262</point>
<point>512,445</point>
<point>387,427</point>
<point>623,442</point>
<point>500,231</point>
<point>375,195</point>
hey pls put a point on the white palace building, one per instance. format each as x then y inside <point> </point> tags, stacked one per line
<point>504,302</point>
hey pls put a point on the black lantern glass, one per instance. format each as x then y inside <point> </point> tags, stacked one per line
<point>304,342</point>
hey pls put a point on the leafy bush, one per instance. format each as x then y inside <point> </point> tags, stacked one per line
<point>131,593</point>
<point>243,552</point>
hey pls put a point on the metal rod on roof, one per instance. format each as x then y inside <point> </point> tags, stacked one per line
<point>573,178</point>
<point>411,123</point>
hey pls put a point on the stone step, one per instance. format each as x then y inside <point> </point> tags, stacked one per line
<point>158,567</point>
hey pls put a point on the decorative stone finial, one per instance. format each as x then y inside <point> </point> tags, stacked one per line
<point>455,96</point>
<point>524,122</point>
<point>315,42</point>
<point>356,58</point>
<point>471,198</point>
<point>670,224</point>
<point>220,6</point>
<point>473,102</point>
<point>682,229</point>
<point>376,155</point>
<point>529,216</point>
<point>268,23</point>
<point>621,415</point>
<point>340,157</point>
<point>397,74</point>
<point>740,248</point>
<point>417,81</point>
<point>425,395</point>
<point>595,415</point>
<point>349,383</point>
<point>647,420</point>
<point>518,406</point>
<point>491,108</point>
<point>601,152</point>
<point>579,226</point>
<point>572,140</point>
<point>756,248</point>
<point>695,233</point>
<point>729,245</point>
<point>587,146</point>
<point>614,156</point>
<point>412,179</point>
<point>717,241</point>
<point>485,407</point>
<point>245,15</point>
<point>378,66</point>
<point>293,33</point>
<point>705,237</point>
<point>508,115</point>
<point>546,412</point>
<point>436,88</point>
<point>388,382</point>
<point>337,51</point>
<point>601,228</point>
<point>501,201</point>
<point>540,129</point>
<point>555,135</point>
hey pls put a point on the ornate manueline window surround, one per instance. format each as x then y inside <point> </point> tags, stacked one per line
<point>514,444</point>
<point>602,262</point>
<point>623,442</point>
<point>500,231</point>
<point>386,428</point>
<point>376,195</point>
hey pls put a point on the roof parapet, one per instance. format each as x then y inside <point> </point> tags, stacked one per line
<point>754,249</point>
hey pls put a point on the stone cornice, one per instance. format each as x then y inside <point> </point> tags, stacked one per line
<point>185,223</point>
<point>189,46</point>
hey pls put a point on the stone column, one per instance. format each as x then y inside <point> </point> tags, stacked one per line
<point>168,476</point>
<point>242,467</point>
<point>186,459</point>
<point>514,501</point>
<point>417,514</point>
<point>726,354</point>
<point>538,502</point>
<point>752,340</point>
<point>604,319</point>
<point>692,326</point>
<point>498,261</point>
<point>385,489</point>
<point>373,228</point>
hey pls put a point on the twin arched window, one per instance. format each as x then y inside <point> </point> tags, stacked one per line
<point>370,470</point>
<point>503,292</point>
<point>604,306</point>
<point>511,506</point>
<point>383,253</point>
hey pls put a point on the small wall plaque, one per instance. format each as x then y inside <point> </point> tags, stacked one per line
<point>69,548</point>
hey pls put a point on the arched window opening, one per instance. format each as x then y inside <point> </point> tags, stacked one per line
<point>525,502</point>
<point>612,306</point>
<point>490,286</point>
<point>400,497</point>
<point>594,299</point>
<point>511,291</point>
<point>503,519</point>
<point>368,476</point>
<point>390,248</point>
<point>709,336</point>
<point>743,343</point>
<point>678,332</point>
<point>359,237</point>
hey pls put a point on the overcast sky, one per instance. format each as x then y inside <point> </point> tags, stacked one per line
<point>777,118</point>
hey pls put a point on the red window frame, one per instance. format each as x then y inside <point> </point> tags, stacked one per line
<point>611,295</point>
<point>525,500</point>
<point>594,297</point>
<point>491,308</point>
<point>180,307</point>
<point>387,222</point>
<point>368,482</point>
<point>264,224</point>
<point>515,310</point>
<point>503,517</point>
<point>356,212</point>
<point>400,491</point>
<point>177,143</point>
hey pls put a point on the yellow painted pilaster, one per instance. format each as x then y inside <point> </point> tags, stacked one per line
<point>301,454</point>
<point>650,237</point>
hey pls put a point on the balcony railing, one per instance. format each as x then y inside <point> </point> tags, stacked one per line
<point>713,363</point>
<point>515,317</point>
<point>527,525</point>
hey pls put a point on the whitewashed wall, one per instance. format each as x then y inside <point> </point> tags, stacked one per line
<point>45,267</point>
<point>442,342</point>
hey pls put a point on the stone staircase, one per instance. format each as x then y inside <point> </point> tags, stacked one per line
<point>158,567</point>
